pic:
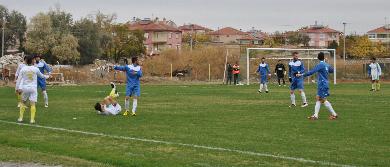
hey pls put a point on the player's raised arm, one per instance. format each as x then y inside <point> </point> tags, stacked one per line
<point>40,75</point>
<point>47,68</point>
<point>120,68</point>
<point>312,71</point>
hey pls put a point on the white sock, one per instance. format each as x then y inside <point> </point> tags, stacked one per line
<point>134,105</point>
<point>330,108</point>
<point>266,87</point>
<point>261,87</point>
<point>45,97</point>
<point>317,109</point>
<point>127,104</point>
<point>292,96</point>
<point>303,95</point>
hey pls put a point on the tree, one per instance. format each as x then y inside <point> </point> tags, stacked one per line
<point>66,50</point>
<point>361,46</point>
<point>105,24</point>
<point>87,33</point>
<point>333,45</point>
<point>15,27</point>
<point>40,37</point>
<point>126,43</point>
<point>197,39</point>
<point>53,42</point>
<point>296,38</point>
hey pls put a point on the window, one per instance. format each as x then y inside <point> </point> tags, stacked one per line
<point>322,36</point>
<point>371,36</point>
<point>170,35</point>
<point>177,36</point>
<point>146,35</point>
<point>381,35</point>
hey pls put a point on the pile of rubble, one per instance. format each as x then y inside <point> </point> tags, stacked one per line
<point>11,60</point>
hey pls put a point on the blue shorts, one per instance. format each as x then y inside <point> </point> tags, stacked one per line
<point>263,79</point>
<point>323,92</point>
<point>133,90</point>
<point>297,83</point>
<point>42,84</point>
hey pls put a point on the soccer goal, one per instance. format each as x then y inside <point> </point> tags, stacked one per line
<point>273,55</point>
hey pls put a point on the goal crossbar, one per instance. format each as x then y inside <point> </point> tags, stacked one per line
<point>286,49</point>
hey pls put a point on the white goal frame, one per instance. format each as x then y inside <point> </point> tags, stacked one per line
<point>285,49</point>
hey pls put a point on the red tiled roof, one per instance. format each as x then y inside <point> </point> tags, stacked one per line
<point>380,30</point>
<point>195,27</point>
<point>152,26</point>
<point>227,31</point>
<point>319,30</point>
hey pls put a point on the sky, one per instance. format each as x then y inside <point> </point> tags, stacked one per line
<point>265,15</point>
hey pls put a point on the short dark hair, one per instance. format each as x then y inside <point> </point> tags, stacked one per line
<point>279,60</point>
<point>373,58</point>
<point>29,59</point>
<point>125,61</point>
<point>98,107</point>
<point>134,59</point>
<point>294,53</point>
<point>321,56</point>
<point>262,58</point>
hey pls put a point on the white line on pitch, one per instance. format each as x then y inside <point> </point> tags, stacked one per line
<point>181,144</point>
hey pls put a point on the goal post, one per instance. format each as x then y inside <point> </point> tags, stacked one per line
<point>248,50</point>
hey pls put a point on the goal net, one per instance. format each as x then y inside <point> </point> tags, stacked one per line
<point>273,55</point>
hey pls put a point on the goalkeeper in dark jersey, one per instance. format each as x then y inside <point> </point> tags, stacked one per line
<point>280,71</point>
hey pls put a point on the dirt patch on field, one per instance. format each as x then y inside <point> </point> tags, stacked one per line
<point>14,164</point>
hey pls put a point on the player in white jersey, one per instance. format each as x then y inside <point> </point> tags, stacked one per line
<point>109,106</point>
<point>27,80</point>
<point>18,93</point>
<point>374,72</point>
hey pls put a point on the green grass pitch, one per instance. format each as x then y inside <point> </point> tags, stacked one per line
<point>201,125</point>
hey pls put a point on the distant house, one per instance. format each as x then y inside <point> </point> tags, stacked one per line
<point>196,29</point>
<point>227,35</point>
<point>381,34</point>
<point>253,37</point>
<point>320,36</point>
<point>159,35</point>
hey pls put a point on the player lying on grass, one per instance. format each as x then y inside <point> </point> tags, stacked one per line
<point>264,72</point>
<point>19,93</point>
<point>374,72</point>
<point>109,105</point>
<point>27,80</point>
<point>323,69</point>
<point>133,74</point>
<point>296,67</point>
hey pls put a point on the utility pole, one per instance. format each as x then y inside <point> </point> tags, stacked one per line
<point>344,35</point>
<point>2,38</point>
<point>191,35</point>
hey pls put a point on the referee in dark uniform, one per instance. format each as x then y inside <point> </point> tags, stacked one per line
<point>280,71</point>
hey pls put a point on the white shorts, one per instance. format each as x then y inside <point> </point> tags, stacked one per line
<point>30,93</point>
<point>375,77</point>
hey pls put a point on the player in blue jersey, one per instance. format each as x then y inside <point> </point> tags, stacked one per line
<point>296,67</point>
<point>133,74</point>
<point>43,66</point>
<point>323,69</point>
<point>264,72</point>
